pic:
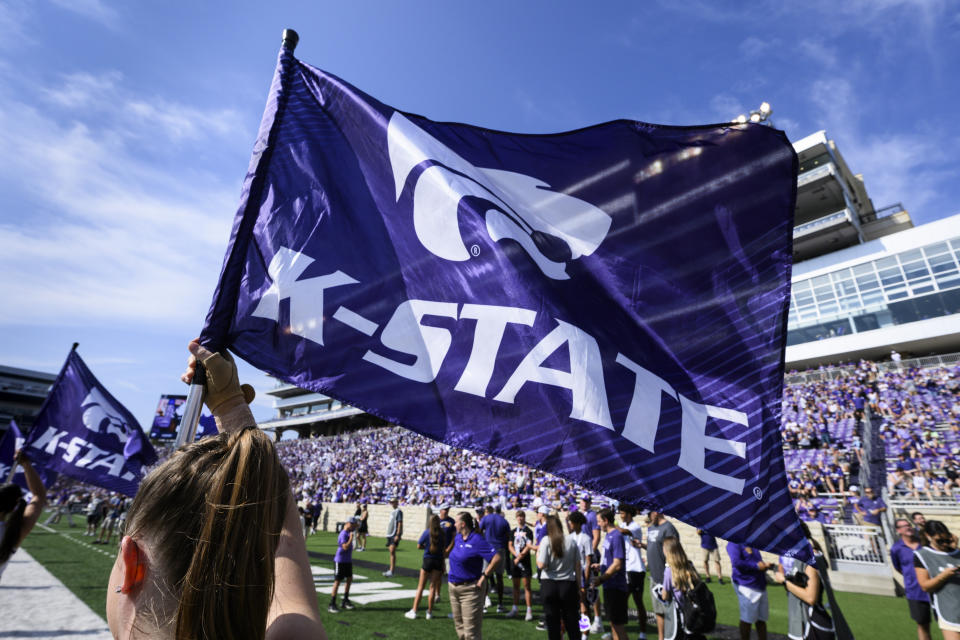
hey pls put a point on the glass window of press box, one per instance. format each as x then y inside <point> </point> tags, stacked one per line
<point>905,287</point>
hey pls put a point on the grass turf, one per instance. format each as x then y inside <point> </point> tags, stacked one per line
<point>85,570</point>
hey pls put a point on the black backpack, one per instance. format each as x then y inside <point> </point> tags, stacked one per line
<point>699,609</point>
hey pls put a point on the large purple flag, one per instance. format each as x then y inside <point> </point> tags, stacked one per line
<point>11,441</point>
<point>607,304</point>
<point>83,432</point>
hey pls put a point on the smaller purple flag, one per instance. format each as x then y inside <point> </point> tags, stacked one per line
<point>11,441</point>
<point>83,432</point>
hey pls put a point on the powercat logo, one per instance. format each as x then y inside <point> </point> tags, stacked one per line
<point>552,227</point>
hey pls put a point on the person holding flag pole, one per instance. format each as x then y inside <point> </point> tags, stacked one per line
<point>213,545</point>
<point>17,516</point>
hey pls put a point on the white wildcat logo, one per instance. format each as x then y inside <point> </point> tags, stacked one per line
<point>553,228</point>
<point>98,416</point>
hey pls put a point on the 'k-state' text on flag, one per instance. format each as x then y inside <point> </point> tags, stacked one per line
<point>607,304</point>
<point>12,441</point>
<point>83,432</point>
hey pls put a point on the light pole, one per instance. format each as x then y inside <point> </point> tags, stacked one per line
<point>759,115</point>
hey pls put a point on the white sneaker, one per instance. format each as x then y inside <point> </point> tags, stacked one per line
<point>511,613</point>
<point>388,574</point>
<point>486,603</point>
<point>597,626</point>
<point>410,615</point>
<point>529,615</point>
<point>606,636</point>
<point>642,636</point>
<point>499,608</point>
<point>428,616</point>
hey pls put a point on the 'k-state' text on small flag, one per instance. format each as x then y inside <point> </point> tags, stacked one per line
<point>83,432</point>
<point>12,441</point>
<point>607,304</point>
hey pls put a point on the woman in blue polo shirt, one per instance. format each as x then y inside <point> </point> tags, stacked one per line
<point>467,578</point>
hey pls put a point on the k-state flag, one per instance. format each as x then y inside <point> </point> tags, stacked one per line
<point>12,440</point>
<point>83,432</point>
<point>607,304</point>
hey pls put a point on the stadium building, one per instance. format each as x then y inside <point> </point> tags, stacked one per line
<point>313,414</point>
<point>22,393</point>
<point>866,281</point>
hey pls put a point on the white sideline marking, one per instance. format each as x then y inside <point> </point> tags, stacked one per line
<point>361,592</point>
<point>37,605</point>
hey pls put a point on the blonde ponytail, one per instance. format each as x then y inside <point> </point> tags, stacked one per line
<point>213,515</point>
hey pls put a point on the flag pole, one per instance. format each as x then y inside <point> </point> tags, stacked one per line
<point>187,429</point>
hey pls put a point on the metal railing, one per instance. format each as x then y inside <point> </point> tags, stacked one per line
<point>854,543</point>
<point>839,371</point>
<point>890,209</point>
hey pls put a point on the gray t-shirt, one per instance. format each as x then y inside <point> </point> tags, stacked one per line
<point>395,519</point>
<point>946,601</point>
<point>655,559</point>
<point>555,568</point>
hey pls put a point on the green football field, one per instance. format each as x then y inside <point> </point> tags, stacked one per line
<point>85,568</point>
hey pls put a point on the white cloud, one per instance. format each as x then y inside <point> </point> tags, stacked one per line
<point>100,235</point>
<point>819,51</point>
<point>911,167</point>
<point>13,18</point>
<point>726,107</point>
<point>95,10</point>
<point>753,47</point>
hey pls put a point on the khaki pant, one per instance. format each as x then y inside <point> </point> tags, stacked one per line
<point>466,602</point>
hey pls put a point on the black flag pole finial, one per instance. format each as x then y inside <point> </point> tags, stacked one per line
<point>290,39</point>
<point>74,347</point>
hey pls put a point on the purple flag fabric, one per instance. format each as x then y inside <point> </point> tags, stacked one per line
<point>607,304</point>
<point>12,440</point>
<point>83,432</point>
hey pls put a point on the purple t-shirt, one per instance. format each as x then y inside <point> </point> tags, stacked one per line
<point>343,555</point>
<point>614,547</point>
<point>707,541</point>
<point>868,504</point>
<point>591,524</point>
<point>744,561</point>
<point>901,557</point>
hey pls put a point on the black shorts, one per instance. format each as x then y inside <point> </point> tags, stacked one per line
<point>93,519</point>
<point>615,605</point>
<point>393,541</point>
<point>432,564</point>
<point>919,611</point>
<point>342,570</point>
<point>635,581</point>
<point>521,570</point>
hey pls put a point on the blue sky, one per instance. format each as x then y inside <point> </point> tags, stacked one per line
<point>127,127</point>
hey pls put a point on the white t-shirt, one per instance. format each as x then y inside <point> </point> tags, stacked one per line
<point>585,545</point>
<point>634,554</point>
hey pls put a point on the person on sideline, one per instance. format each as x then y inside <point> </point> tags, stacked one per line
<point>575,522</point>
<point>613,575</point>
<point>521,570</point>
<point>659,528</point>
<point>17,516</point>
<point>394,533</point>
<point>679,577</point>
<point>901,557</point>
<point>805,587</point>
<point>750,582</point>
<point>636,568</point>
<point>468,580</point>
<point>558,559</point>
<point>937,568</point>
<point>709,552</point>
<point>213,546</point>
<point>432,542</point>
<point>343,566</point>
